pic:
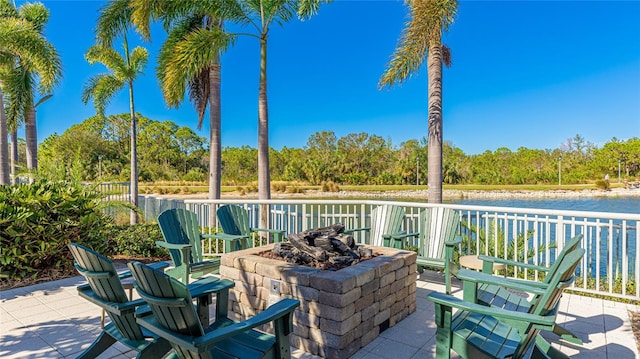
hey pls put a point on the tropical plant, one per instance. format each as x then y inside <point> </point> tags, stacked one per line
<point>39,219</point>
<point>122,72</point>
<point>422,37</point>
<point>493,241</point>
<point>24,52</point>
<point>260,15</point>
<point>190,60</point>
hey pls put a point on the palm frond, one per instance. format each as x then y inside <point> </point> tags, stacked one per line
<point>199,93</point>
<point>143,12</point>
<point>181,59</point>
<point>21,39</point>
<point>7,10</point>
<point>101,88</point>
<point>308,8</point>
<point>18,84</point>
<point>35,13</point>
<point>446,55</point>
<point>427,20</point>
<point>138,60</point>
<point>114,20</point>
<point>110,58</point>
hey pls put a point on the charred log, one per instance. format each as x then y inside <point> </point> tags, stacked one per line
<point>328,245</point>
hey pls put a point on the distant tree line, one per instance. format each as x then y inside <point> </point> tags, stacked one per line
<point>98,149</point>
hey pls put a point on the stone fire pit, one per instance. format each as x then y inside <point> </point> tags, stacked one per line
<point>340,311</point>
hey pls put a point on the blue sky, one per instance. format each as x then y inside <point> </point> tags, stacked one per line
<point>525,74</point>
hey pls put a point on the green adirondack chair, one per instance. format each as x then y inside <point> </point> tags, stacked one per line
<point>173,317</point>
<point>234,222</point>
<point>182,237</point>
<point>386,220</point>
<point>105,290</point>
<point>437,238</point>
<point>477,330</point>
<point>499,297</point>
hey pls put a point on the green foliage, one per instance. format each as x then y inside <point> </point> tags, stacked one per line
<point>136,240</point>
<point>491,241</point>
<point>330,187</point>
<point>603,185</point>
<point>171,153</point>
<point>38,220</point>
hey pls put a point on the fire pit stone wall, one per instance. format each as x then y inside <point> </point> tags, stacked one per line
<point>340,311</point>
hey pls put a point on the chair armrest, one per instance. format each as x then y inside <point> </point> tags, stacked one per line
<point>467,275</point>
<point>485,258</point>
<point>453,302</point>
<point>393,235</point>
<point>157,265</point>
<point>351,230</point>
<point>172,245</point>
<point>453,242</point>
<point>208,285</point>
<point>227,237</point>
<point>113,307</point>
<point>278,310</point>
<point>404,235</point>
<point>278,234</point>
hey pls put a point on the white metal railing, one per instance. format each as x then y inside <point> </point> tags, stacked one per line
<point>611,264</point>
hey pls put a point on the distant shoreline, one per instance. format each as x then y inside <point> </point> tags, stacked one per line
<point>422,194</point>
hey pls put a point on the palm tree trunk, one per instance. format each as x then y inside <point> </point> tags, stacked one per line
<point>134,158</point>
<point>4,146</point>
<point>14,155</point>
<point>434,73</point>
<point>215,146</point>
<point>31,136</point>
<point>264,179</point>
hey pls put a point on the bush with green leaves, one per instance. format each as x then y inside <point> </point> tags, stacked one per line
<point>137,241</point>
<point>38,220</point>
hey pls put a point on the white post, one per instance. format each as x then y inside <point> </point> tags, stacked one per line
<point>559,171</point>
<point>417,170</point>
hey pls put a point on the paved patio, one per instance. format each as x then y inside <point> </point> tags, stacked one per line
<point>50,320</point>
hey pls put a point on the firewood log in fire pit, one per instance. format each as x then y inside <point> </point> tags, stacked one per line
<point>326,244</point>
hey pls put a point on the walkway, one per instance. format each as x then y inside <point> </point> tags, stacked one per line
<point>50,320</point>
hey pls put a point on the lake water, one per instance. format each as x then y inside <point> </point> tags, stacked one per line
<point>599,204</point>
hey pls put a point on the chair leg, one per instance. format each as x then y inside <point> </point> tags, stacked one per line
<point>543,346</point>
<point>157,349</point>
<point>102,343</point>
<point>566,335</point>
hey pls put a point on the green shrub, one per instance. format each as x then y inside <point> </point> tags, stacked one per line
<point>603,184</point>
<point>38,220</point>
<point>136,240</point>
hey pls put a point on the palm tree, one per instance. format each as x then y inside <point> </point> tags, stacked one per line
<point>420,39</point>
<point>102,88</point>
<point>260,15</point>
<point>24,46</point>
<point>189,60</point>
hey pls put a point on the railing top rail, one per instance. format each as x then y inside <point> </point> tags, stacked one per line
<point>517,210</point>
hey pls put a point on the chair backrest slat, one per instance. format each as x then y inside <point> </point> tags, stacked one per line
<point>568,248</point>
<point>103,279</point>
<point>385,219</point>
<point>168,298</point>
<point>548,302</point>
<point>180,226</point>
<point>439,225</point>
<point>234,220</point>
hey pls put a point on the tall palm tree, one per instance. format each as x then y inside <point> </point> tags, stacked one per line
<point>189,60</point>
<point>422,38</point>
<point>23,45</point>
<point>260,15</point>
<point>123,70</point>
